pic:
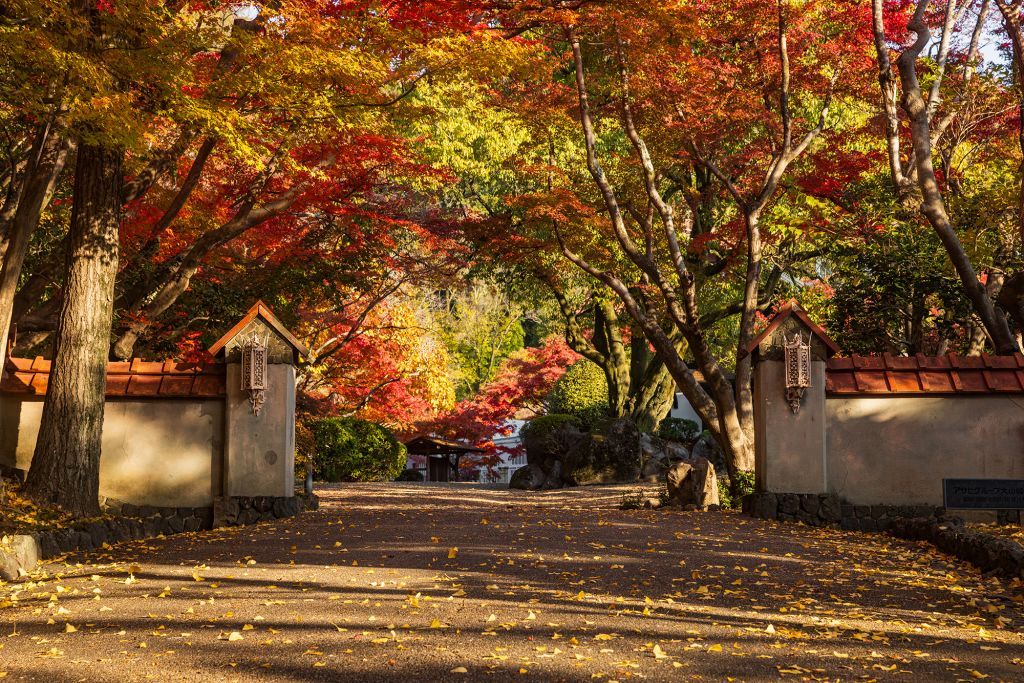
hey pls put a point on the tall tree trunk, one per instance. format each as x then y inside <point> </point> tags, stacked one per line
<point>933,206</point>
<point>615,362</point>
<point>751,294</point>
<point>66,463</point>
<point>653,396</point>
<point>44,168</point>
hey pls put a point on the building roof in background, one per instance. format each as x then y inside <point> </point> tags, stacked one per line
<point>130,379</point>
<point>431,445</point>
<point>949,374</point>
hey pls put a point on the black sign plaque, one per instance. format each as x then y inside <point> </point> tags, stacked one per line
<point>983,494</point>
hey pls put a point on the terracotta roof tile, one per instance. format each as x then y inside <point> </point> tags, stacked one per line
<point>949,374</point>
<point>901,381</point>
<point>932,362</point>
<point>868,362</point>
<point>973,382</point>
<point>117,385</point>
<point>840,363</point>
<point>23,364</point>
<point>966,361</point>
<point>899,362</point>
<point>144,385</point>
<point>209,385</point>
<point>40,381</point>
<point>840,382</point>
<point>1003,362</point>
<point>143,367</point>
<point>1001,381</point>
<point>17,382</point>
<point>137,378</point>
<point>934,381</point>
<point>871,381</point>
<point>176,385</point>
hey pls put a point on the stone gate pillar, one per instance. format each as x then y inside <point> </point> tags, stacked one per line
<point>789,403</point>
<point>259,411</point>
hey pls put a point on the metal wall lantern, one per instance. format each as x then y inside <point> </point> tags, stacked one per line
<point>798,370</point>
<point>254,370</point>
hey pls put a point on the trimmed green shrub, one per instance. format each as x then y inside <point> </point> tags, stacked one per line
<point>678,429</point>
<point>582,391</point>
<point>348,449</point>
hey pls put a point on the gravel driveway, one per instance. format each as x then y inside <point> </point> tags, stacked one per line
<point>464,582</point>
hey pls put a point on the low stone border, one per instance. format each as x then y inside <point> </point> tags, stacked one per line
<point>828,510</point>
<point>987,552</point>
<point>20,554</point>
<point>914,522</point>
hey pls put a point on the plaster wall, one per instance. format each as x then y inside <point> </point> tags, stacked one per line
<point>897,450</point>
<point>260,449</point>
<point>790,446</point>
<point>164,453</point>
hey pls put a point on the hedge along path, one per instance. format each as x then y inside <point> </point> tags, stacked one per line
<point>468,582</point>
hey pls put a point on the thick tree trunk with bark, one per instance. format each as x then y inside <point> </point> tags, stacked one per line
<point>45,164</point>
<point>640,386</point>
<point>65,466</point>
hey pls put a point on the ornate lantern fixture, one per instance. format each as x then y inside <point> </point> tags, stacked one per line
<point>254,370</point>
<point>798,370</point>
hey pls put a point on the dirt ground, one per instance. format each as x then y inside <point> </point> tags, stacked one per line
<point>465,582</point>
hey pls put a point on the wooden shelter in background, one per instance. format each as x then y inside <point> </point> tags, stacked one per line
<point>442,455</point>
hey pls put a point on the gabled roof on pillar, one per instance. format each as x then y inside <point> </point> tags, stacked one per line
<point>260,311</point>
<point>789,316</point>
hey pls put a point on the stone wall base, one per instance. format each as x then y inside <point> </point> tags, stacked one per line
<point>20,554</point>
<point>241,510</point>
<point>988,552</point>
<point>816,509</point>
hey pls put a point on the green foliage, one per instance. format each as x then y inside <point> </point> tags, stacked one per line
<point>582,391</point>
<point>731,492</point>
<point>679,429</point>
<point>742,485</point>
<point>481,326</point>
<point>348,449</point>
<point>724,495</point>
<point>894,292</point>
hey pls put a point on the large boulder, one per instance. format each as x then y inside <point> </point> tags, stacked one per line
<point>528,478</point>
<point>19,555</point>
<point>609,454</point>
<point>657,455</point>
<point>553,479</point>
<point>692,482</point>
<point>707,447</point>
<point>547,438</point>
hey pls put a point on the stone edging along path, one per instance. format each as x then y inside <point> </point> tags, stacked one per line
<point>19,554</point>
<point>987,552</point>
